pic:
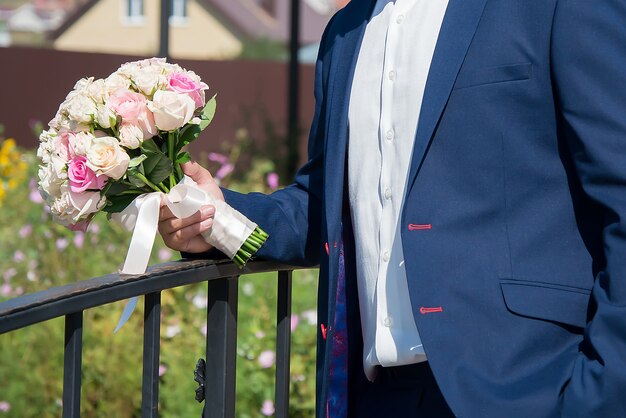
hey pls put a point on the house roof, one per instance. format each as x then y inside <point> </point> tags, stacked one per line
<point>245,18</point>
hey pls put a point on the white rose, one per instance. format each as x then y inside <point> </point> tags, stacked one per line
<point>116,82</point>
<point>131,136</point>
<point>68,208</point>
<point>79,143</point>
<point>49,183</point>
<point>86,203</point>
<point>97,91</point>
<point>105,117</point>
<point>171,110</point>
<point>105,156</point>
<point>80,109</point>
<point>149,80</point>
<point>82,84</point>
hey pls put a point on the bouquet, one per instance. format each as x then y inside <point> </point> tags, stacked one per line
<point>116,145</point>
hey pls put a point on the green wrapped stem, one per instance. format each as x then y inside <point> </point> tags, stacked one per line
<point>250,246</point>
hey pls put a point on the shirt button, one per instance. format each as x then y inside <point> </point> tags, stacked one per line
<point>387,193</point>
<point>386,256</point>
<point>390,135</point>
<point>392,75</point>
<point>399,19</point>
<point>387,322</point>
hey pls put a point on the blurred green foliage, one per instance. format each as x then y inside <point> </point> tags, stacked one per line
<point>36,254</point>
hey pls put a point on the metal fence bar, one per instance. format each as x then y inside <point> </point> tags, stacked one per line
<point>151,351</point>
<point>221,349</point>
<point>73,359</point>
<point>283,344</point>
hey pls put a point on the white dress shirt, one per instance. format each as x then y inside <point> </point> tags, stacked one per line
<point>385,102</point>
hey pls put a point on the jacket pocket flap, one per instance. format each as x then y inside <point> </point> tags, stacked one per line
<point>491,75</point>
<point>547,301</point>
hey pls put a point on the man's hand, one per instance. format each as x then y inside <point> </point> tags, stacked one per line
<point>184,234</point>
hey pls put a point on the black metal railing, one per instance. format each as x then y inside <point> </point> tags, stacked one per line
<point>218,374</point>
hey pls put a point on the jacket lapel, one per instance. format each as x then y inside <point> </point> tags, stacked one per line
<point>347,40</point>
<point>455,36</point>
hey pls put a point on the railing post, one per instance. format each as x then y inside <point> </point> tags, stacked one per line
<point>221,349</point>
<point>72,364</point>
<point>151,352</point>
<point>283,345</point>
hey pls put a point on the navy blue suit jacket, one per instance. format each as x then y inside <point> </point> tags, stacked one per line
<point>514,222</point>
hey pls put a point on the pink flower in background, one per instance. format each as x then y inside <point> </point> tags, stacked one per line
<point>162,369</point>
<point>5,290</point>
<point>259,334</point>
<point>295,320</point>
<point>203,330</point>
<point>218,158</point>
<point>19,256</point>
<point>26,230</point>
<point>35,197</point>
<point>268,408</point>
<point>267,359</point>
<point>94,229</point>
<point>165,254</point>
<point>82,177</point>
<point>62,244</point>
<point>182,83</point>
<point>224,170</point>
<point>79,239</point>
<point>272,181</point>
<point>9,274</point>
<point>5,406</point>
<point>19,290</point>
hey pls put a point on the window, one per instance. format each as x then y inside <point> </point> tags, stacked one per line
<point>133,12</point>
<point>178,11</point>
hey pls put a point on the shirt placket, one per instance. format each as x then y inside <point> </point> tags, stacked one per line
<point>387,135</point>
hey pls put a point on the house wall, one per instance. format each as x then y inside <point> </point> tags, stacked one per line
<point>105,28</point>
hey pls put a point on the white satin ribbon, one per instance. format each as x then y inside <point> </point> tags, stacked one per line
<point>229,231</point>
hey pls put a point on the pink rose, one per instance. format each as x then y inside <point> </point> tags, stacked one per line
<point>62,146</point>
<point>182,83</point>
<point>82,177</point>
<point>133,109</point>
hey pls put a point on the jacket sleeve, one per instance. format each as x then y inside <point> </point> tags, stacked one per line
<point>292,216</point>
<point>589,74</point>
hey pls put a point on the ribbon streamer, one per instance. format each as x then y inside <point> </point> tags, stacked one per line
<point>229,231</point>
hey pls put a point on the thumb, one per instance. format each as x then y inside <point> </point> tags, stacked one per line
<point>197,173</point>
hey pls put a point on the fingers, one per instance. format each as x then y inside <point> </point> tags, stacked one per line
<point>185,234</point>
<point>198,173</point>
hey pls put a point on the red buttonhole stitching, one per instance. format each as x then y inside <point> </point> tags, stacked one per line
<point>327,250</point>
<point>425,311</point>
<point>324,330</point>
<point>414,227</point>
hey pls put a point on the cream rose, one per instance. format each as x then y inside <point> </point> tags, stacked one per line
<point>171,110</point>
<point>105,117</point>
<point>131,136</point>
<point>106,156</point>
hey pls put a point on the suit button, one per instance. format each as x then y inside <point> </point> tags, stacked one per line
<point>386,256</point>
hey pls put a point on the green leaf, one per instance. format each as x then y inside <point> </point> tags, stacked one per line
<point>158,167</point>
<point>183,158</point>
<point>137,182</point>
<point>116,188</point>
<point>190,132</point>
<point>118,203</point>
<point>150,146</point>
<point>208,112</point>
<point>134,162</point>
